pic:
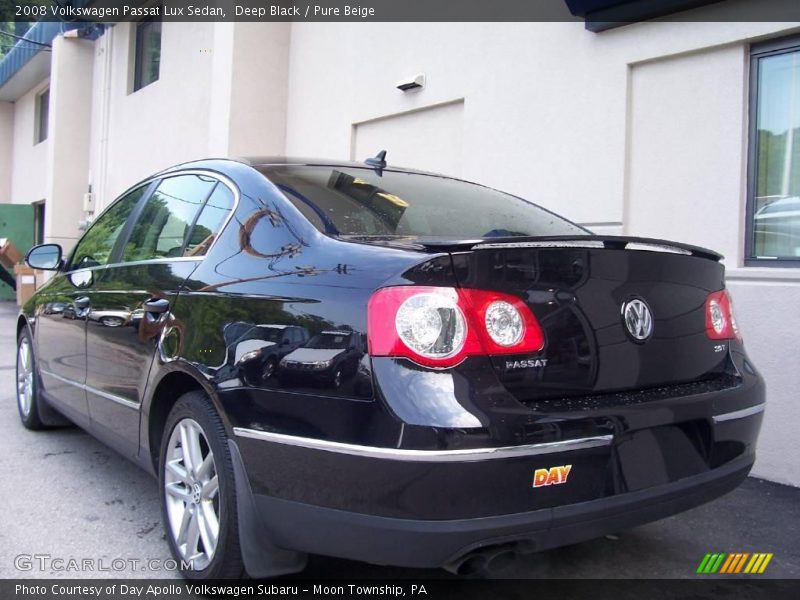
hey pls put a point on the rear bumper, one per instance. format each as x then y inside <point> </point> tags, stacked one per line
<point>425,543</point>
<point>425,508</point>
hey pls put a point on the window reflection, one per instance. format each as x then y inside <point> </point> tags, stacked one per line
<point>95,247</point>
<point>776,207</point>
<point>180,219</point>
<point>352,201</point>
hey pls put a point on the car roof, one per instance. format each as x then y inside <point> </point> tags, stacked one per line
<point>271,161</point>
<point>262,163</point>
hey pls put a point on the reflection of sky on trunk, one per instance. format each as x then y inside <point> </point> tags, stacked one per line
<point>429,397</point>
<point>779,93</point>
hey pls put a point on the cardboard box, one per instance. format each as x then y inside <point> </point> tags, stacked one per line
<point>9,255</point>
<point>26,283</point>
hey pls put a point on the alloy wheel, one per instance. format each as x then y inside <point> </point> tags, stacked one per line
<point>269,369</point>
<point>24,377</point>
<point>192,494</point>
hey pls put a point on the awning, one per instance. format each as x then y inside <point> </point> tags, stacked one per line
<point>601,15</point>
<point>27,63</point>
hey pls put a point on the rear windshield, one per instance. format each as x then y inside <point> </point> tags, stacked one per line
<point>359,202</point>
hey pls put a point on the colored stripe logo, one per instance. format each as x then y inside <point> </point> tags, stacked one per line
<point>735,562</point>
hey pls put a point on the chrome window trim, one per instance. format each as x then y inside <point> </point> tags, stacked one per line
<point>470,454</point>
<point>88,388</point>
<point>739,414</point>
<point>224,179</point>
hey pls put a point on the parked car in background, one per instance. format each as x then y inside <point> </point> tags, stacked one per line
<point>777,228</point>
<point>257,349</point>
<point>326,358</point>
<point>506,379</point>
<point>110,318</point>
<point>69,310</point>
<point>54,308</point>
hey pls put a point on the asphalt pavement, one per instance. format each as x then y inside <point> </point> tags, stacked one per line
<point>69,502</point>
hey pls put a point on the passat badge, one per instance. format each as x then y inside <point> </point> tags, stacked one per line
<point>531,363</point>
<point>551,476</point>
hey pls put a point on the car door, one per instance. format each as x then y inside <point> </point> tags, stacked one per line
<point>130,299</point>
<point>62,309</point>
<point>287,342</point>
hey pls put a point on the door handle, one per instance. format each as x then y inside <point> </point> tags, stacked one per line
<point>156,306</point>
<point>82,302</point>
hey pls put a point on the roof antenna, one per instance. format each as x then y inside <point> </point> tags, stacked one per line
<point>378,162</point>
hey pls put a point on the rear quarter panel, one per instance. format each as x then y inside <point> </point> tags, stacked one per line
<point>270,267</point>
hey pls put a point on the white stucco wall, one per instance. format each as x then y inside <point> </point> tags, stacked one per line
<point>221,92</point>
<point>528,122</point>
<point>29,160</point>
<point>135,134</point>
<point>687,143</point>
<point>6,149</point>
<point>439,150</point>
<point>68,140</point>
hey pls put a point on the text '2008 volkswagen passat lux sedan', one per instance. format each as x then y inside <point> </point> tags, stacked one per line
<point>386,365</point>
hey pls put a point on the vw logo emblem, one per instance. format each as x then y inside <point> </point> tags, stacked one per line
<point>638,319</point>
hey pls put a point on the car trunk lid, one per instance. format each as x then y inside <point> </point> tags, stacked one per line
<point>578,288</point>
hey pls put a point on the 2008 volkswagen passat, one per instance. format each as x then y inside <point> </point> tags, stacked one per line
<point>386,365</point>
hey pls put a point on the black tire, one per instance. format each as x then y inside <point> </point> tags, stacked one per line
<point>226,562</point>
<point>31,419</point>
<point>336,380</point>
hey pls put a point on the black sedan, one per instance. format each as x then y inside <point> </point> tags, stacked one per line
<point>521,384</point>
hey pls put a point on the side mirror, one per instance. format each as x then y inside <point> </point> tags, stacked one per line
<point>285,342</point>
<point>46,257</point>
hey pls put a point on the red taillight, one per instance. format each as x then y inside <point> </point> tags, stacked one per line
<point>440,327</point>
<point>720,320</point>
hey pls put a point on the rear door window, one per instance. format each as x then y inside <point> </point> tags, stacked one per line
<point>210,222</point>
<point>179,219</point>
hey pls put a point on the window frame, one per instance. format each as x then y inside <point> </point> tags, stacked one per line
<point>42,126</point>
<point>116,249</point>
<point>115,257</point>
<point>39,208</point>
<point>138,51</point>
<point>137,213</point>
<point>757,52</point>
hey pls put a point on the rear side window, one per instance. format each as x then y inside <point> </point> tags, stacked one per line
<point>179,219</point>
<point>96,245</point>
<point>359,202</point>
<point>210,221</point>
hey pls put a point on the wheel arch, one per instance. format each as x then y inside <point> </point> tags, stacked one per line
<point>22,322</point>
<point>166,390</point>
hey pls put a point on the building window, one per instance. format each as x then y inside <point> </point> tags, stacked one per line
<point>38,222</point>
<point>773,207</point>
<point>42,115</point>
<point>147,54</point>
